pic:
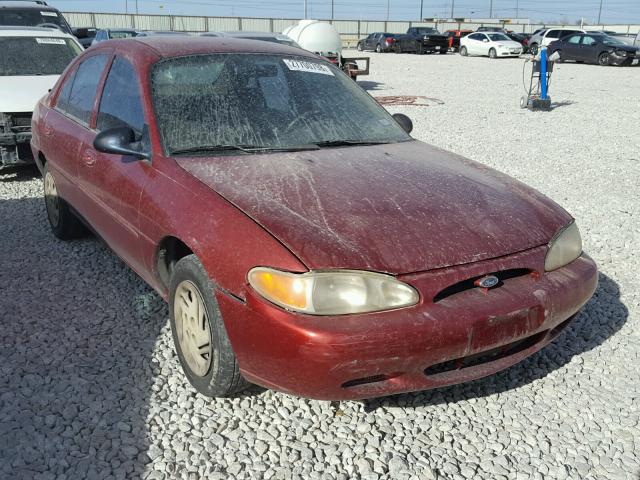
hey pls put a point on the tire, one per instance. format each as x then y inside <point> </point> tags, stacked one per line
<point>378,48</point>
<point>360,48</point>
<point>444,52</point>
<point>398,48</point>
<point>603,59</point>
<point>205,351</point>
<point>493,54</point>
<point>419,50</point>
<point>64,223</point>
<point>463,51</point>
<point>533,49</point>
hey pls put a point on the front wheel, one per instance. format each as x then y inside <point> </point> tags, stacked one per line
<point>493,54</point>
<point>533,49</point>
<point>378,48</point>
<point>463,51</point>
<point>603,59</point>
<point>199,334</point>
<point>360,48</point>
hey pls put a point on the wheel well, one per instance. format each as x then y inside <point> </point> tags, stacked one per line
<point>170,250</point>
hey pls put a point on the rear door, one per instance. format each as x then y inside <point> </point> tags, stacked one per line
<point>68,125</point>
<point>572,48</point>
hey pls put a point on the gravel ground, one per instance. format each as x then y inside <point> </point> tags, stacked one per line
<point>90,386</point>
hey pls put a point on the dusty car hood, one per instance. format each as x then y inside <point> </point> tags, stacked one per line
<point>21,93</point>
<point>396,208</point>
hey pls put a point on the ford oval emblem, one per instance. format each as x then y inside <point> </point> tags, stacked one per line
<point>489,281</point>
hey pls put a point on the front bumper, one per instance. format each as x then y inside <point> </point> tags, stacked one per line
<point>15,136</point>
<point>626,61</point>
<point>462,336</point>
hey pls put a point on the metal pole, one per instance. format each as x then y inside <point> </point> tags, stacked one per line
<point>517,9</point>
<point>421,9</point>
<point>136,7</point>
<point>126,6</point>
<point>332,9</point>
<point>491,9</point>
<point>305,9</point>
<point>600,12</point>
<point>388,1</point>
<point>453,3</point>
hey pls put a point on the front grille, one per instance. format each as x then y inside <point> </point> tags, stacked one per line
<point>484,357</point>
<point>468,284</point>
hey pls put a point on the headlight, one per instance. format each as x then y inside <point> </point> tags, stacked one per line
<point>336,292</point>
<point>621,53</point>
<point>565,247</point>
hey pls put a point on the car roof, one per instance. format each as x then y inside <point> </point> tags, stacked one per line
<point>178,46</point>
<point>32,32</point>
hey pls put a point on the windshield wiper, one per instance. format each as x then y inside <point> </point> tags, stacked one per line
<point>346,143</point>
<point>242,148</point>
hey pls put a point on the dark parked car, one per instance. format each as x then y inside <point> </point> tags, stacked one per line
<point>422,40</point>
<point>34,13</point>
<point>85,35</point>
<point>454,37</point>
<point>595,48</point>
<point>303,240</point>
<point>380,42</point>
<point>521,38</point>
<point>105,34</point>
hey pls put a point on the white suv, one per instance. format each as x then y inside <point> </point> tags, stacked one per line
<point>31,60</point>
<point>544,37</point>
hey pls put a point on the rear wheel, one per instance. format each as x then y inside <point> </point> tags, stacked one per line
<point>534,49</point>
<point>64,224</point>
<point>603,59</point>
<point>444,51</point>
<point>463,51</point>
<point>398,48</point>
<point>199,334</point>
<point>378,48</point>
<point>493,53</point>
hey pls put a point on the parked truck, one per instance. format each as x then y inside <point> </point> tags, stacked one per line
<point>422,40</point>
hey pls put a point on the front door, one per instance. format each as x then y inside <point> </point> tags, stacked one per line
<point>115,182</point>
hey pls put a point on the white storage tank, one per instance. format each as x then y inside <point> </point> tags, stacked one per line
<point>317,37</point>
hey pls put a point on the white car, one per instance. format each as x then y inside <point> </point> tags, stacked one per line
<point>491,44</point>
<point>31,60</point>
<point>543,38</point>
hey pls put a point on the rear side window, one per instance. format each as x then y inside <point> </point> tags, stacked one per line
<point>79,102</point>
<point>121,103</point>
<point>554,33</point>
<point>575,40</point>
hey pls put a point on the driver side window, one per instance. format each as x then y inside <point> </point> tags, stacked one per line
<point>575,40</point>
<point>121,102</point>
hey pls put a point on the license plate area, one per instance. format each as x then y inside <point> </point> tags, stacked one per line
<point>505,328</point>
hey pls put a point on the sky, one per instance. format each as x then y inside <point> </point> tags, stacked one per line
<point>613,11</point>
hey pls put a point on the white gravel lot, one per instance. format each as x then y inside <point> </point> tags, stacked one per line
<point>90,386</point>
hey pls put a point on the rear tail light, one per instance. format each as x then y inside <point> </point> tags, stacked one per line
<point>389,41</point>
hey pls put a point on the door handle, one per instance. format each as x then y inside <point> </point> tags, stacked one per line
<point>89,158</point>
<point>47,131</point>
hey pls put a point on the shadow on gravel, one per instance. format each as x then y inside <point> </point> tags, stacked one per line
<point>369,85</point>
<point>19,174</point>
<point>601,318</point>
<point>77,333</point>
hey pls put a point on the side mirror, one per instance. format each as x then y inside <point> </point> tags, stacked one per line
<point>120,141</point>
<point>485,40</point>
<point>404,121</point>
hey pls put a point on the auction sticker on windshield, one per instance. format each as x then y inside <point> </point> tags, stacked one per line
<point>50,41</point>
<point>310,67</point>
<point>49,14</point>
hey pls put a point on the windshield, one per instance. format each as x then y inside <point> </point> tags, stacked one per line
<point>36,56</point>
<point>427,31</point>
<point>31,17</point>
<point>114,34</point>
<point>497,37</point>
<point>263,101</point>
<point>610,40</point>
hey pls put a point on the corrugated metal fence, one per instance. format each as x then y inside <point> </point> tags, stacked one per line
<point>350,30</point>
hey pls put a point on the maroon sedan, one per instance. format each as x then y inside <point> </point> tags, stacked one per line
<point>304,241</point>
